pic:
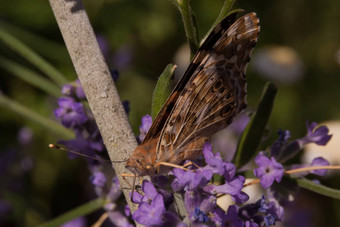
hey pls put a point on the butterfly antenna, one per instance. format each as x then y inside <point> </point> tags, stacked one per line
<point>82,155</point>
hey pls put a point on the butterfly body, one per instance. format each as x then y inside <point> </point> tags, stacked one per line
<point>211,93</point>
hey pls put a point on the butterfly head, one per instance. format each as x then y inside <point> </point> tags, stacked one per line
<point>143,159</point>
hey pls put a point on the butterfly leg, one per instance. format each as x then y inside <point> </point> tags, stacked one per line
<point>191,163</point>
<point>174,165</point>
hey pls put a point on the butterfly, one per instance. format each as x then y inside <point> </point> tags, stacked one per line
<point>210,94</point>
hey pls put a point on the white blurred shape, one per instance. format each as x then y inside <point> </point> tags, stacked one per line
<point>280,64</point>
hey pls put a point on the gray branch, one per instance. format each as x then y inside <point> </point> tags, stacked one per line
<point>98,85</point>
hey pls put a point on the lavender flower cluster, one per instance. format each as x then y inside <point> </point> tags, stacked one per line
<point>156,204</point>
<point>89,142</point>
<point>197,186</point>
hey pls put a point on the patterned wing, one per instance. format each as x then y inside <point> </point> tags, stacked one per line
<point>214,94</point>
<point>161,118</point>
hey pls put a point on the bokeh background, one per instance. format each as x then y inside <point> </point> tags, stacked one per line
<point>298,48</point>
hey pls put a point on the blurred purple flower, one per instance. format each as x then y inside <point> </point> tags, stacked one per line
<point>103,45</point>
<point>144,128</point>
<point>115,191</point>
<point>240,123</point>
<point>98,179</point>
<point>122,57</point>
<point>77,222</point>
<point>269,170</point>
<point>25,136</point>
<point>127,211</point>
<point>118,219</point>
<point>80,91</point>
<point>88,146</point>
<point>319,161</point>
<point>70,112</point>
<point>67,90</point>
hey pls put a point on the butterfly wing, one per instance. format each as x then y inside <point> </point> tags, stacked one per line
<point>212,92</point>
<point>159,122</point>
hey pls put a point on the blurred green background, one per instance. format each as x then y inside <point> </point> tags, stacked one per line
<point>298,48</point>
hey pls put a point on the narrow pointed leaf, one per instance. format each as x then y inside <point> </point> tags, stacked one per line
<point>32,57</point>
<point>252,135</point>
<point>162,89</point>
<point>30,76</point>
<point>319,188</point>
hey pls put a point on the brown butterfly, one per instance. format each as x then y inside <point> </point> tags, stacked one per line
<point>211,93</point>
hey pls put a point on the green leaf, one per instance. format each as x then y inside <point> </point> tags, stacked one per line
<point>162,90</point>
<point>32,57</point>
<point>318,188</point>
<point>82,210</point>
<point>30,76</point>
<point>30,115</point>
<point>252,135</point>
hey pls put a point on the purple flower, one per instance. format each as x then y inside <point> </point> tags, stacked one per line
<point>200,216</point>
<point>150,214</point>
<point>232,217</point>
<point>282,151</point>
<point>261,213</point>
<point>189,180</point>
<point>77,222</point>
<point>269,170</point>
<point>318,135</point>
<point>214,161</point>
<point>144,128</point>
<point>149,190</point>
<point>154,214</point>
<point>232,186</point>
<point>319,161</point>
<point>70,112</point>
